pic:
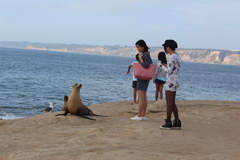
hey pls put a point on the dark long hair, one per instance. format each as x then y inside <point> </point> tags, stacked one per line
<point>137,58</point>
<point>162,57</point>
<point>143,44</point>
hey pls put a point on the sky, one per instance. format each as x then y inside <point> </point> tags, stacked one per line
<point>213,24</point>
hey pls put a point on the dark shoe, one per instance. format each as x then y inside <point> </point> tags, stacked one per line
<point>177,124</point>
<point>167,125</point>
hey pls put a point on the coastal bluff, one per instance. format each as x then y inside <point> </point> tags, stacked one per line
<point>210,132</point>
<point>213,56</point>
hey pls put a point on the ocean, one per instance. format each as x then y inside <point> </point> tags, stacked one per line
<point>30,79</point>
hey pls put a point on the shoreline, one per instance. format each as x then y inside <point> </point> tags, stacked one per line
<point>128,56</point>
<point>209,132</point>
<point>149,102</point>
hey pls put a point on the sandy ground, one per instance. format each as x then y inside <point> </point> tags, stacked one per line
<point>211,131</point>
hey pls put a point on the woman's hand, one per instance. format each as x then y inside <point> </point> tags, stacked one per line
<point>140,56</point>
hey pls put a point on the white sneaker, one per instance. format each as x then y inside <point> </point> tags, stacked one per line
<point>144,118</point>
<point>136,118</point>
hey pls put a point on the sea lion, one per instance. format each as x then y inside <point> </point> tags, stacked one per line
<point>74,105</point>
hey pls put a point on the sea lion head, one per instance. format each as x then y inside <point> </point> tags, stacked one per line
<point>77,86</point>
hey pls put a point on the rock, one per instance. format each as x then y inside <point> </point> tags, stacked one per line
<point>159,106</point>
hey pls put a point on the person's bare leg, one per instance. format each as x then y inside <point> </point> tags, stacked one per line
<point>175,112</point>
<point>169,104</point>
<point>175,109</point>
<point>171,107</point>
<point>156,92</point>
<point>161,91</point>
<point>134,95</point>
<point>142,103</point>
<point>139,103</point>
<point>144,109</point>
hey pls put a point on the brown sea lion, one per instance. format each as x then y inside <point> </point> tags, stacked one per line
<point>74,105</point>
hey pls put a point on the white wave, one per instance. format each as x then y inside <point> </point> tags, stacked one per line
<point>9,116</point>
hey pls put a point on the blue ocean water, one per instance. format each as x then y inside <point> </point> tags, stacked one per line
<point>30,79</point>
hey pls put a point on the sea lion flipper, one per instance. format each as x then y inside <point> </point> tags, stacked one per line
<point>60,114</point>
<point>98,115</point>
<point>87,117</point>
<point>65,99</point>
<point>64,114</point>
<point>88,112</point>
<point>65,103</point>
<point>84,110</point>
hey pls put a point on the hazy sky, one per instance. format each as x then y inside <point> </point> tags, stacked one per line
<point>192,23</point>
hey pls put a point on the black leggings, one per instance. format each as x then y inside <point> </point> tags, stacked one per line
<point>171,106</point>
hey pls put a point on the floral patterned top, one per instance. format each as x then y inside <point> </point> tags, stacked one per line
<point>173,71</point>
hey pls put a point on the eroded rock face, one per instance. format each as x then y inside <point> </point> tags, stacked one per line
<point>217,56</point>
<point>233,59</point>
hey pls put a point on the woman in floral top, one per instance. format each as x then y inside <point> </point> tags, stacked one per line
<point>172,69</point>
<point>173,73</point>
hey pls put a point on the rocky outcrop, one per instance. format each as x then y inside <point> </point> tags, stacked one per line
<point>233,59</point>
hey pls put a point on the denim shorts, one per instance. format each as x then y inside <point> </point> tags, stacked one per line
<point>142,84</point>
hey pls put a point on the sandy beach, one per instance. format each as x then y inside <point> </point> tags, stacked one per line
<point>210,132</point>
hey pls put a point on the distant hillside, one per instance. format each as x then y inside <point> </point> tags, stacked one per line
<point>189,55</point>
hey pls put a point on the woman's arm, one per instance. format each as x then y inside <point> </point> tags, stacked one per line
<point>145,60</point>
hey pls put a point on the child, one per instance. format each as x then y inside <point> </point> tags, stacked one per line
<point>134,82</point>
<point>172,83</point>
<point>160,75</point>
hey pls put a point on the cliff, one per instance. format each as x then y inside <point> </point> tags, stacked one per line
<point>188,55</point>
